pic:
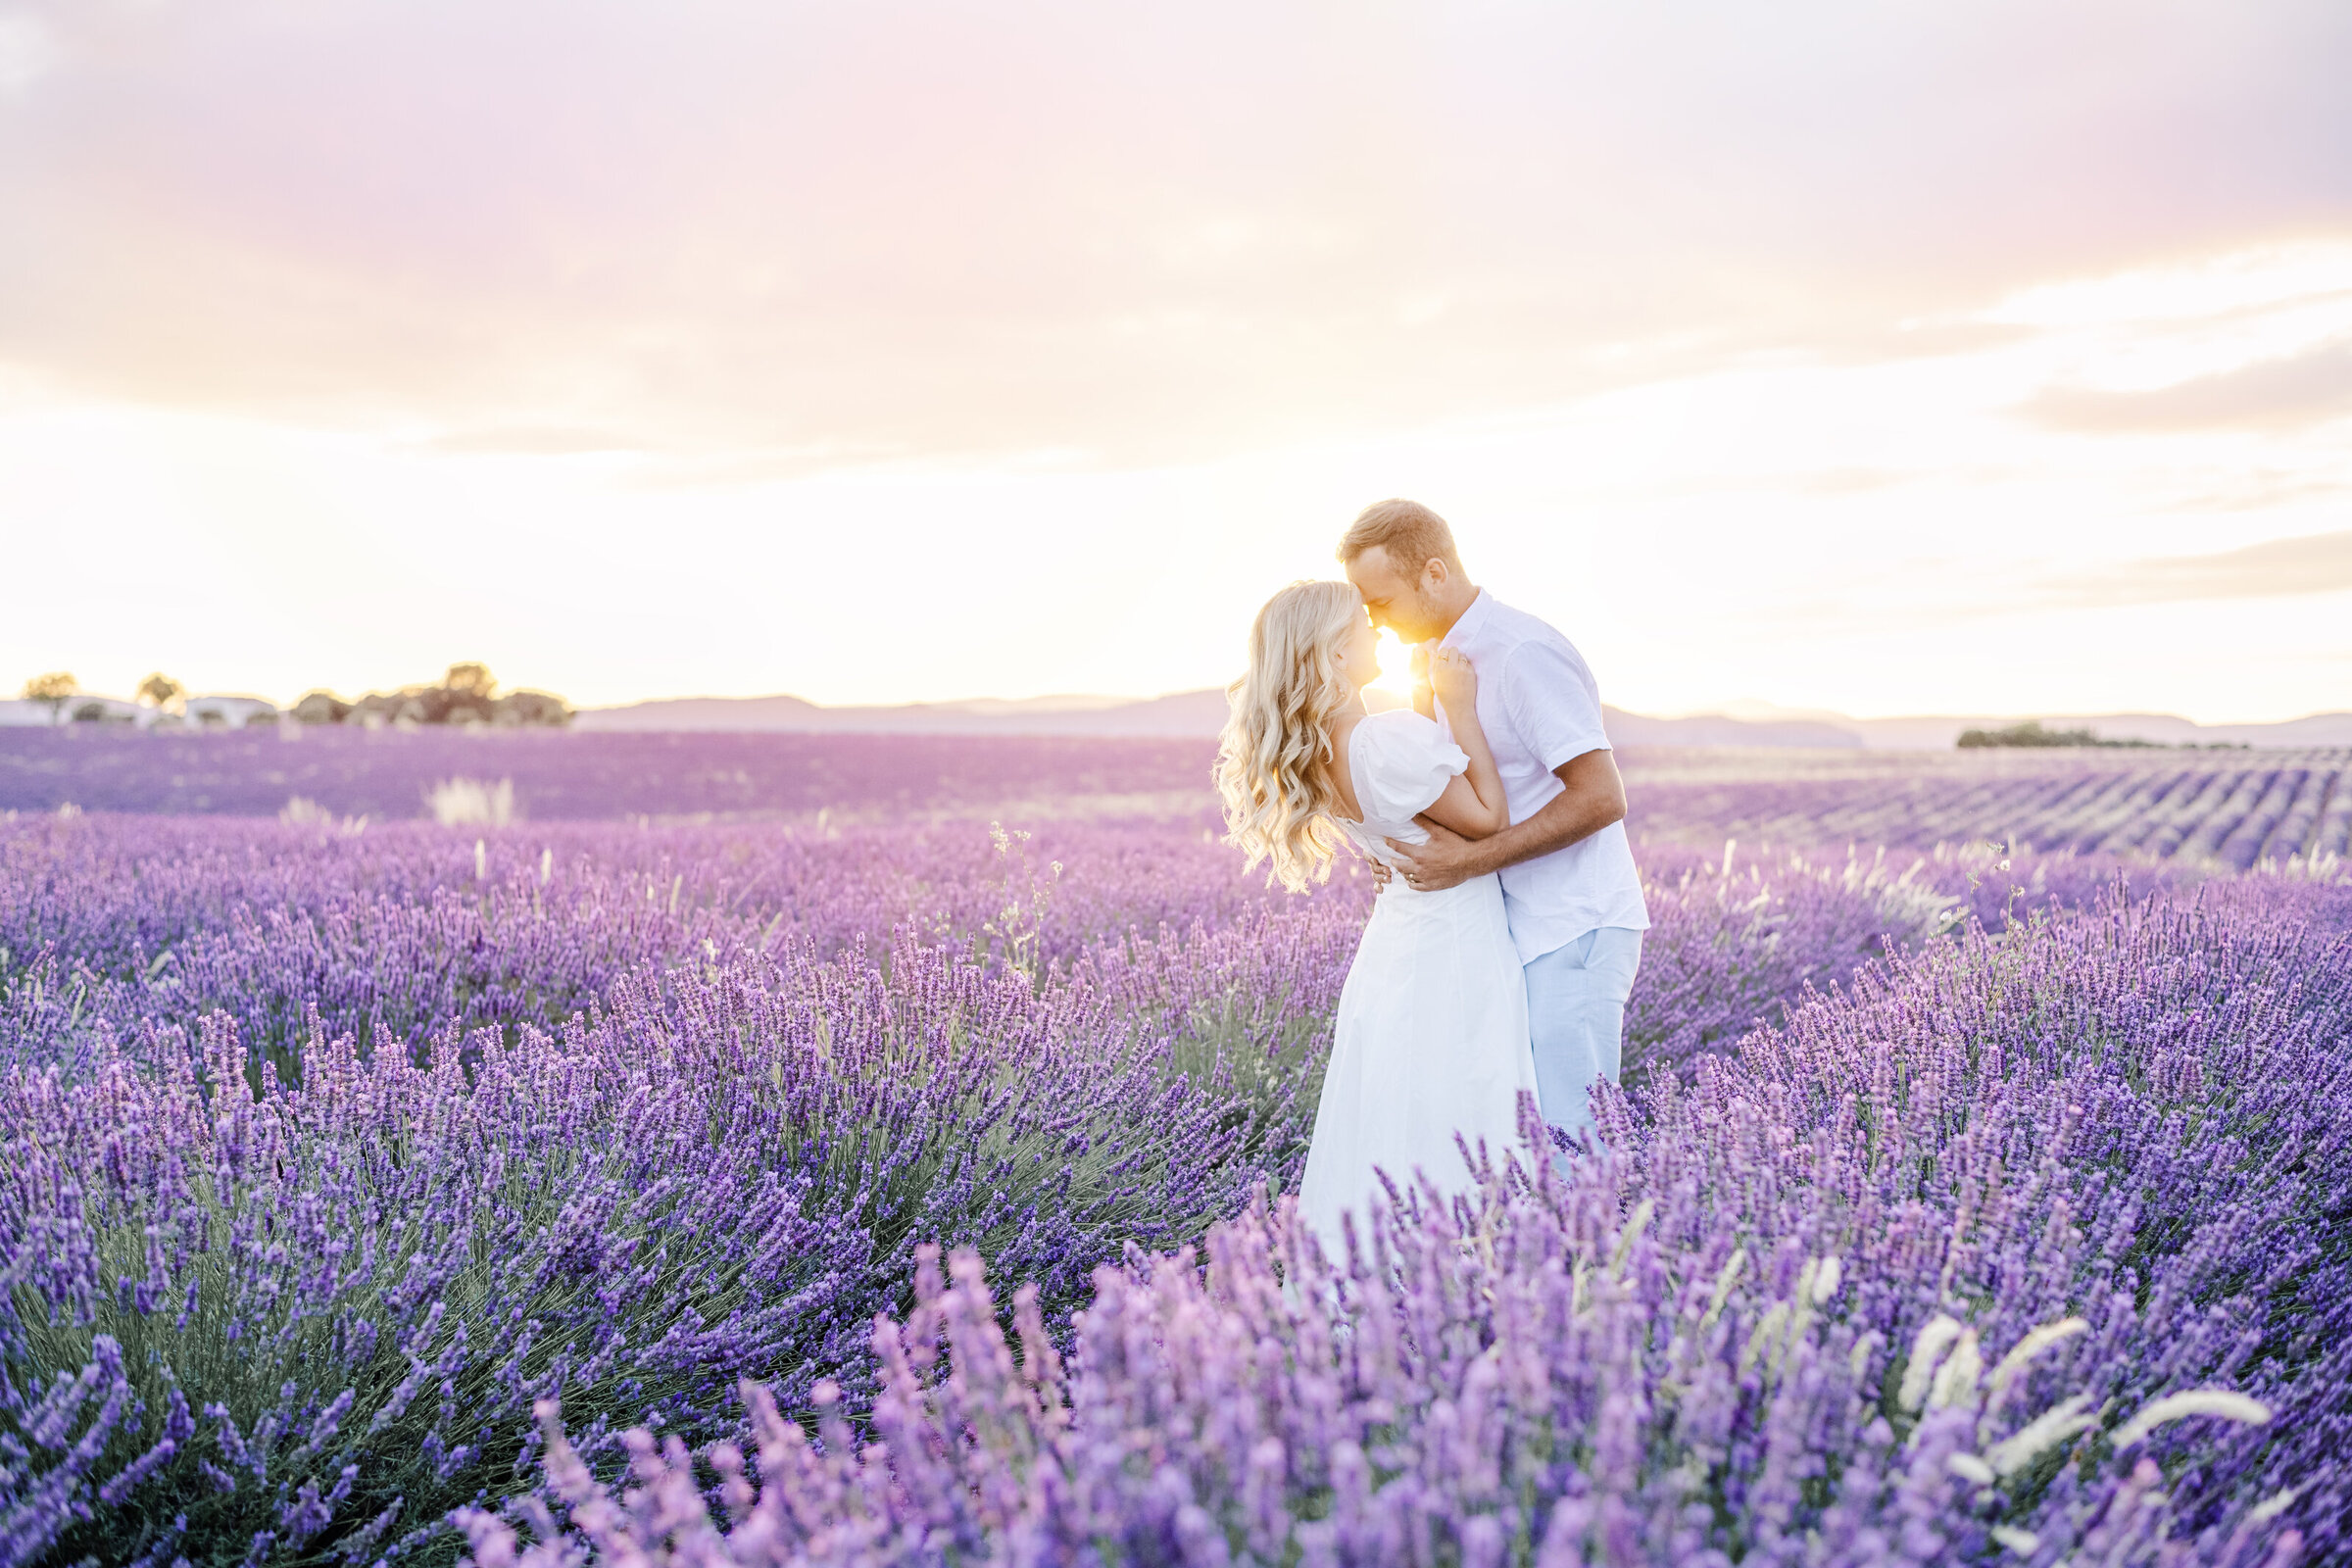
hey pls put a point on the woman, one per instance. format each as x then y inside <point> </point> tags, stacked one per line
<point>1431,1041</point>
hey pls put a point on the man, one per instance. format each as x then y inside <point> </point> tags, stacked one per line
<point>1568,880</point>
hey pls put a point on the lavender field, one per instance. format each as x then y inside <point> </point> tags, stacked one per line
<point>2232,809</point>
<point>771,1149</point>
<point>2227,809</point>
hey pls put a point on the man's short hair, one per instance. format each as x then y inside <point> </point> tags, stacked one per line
<point>1410,533</point>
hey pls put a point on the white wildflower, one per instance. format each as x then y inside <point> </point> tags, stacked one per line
<point>2026,1348</point>
<point>2038,1436</point>
<point>2271,1506</point>
<point>1956,1379</point>
<point>1967,1467</point>
<point>2197,1401</point>
<point>1926,1350</point>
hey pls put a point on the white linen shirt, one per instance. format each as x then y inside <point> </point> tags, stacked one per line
<point>1540,707</point>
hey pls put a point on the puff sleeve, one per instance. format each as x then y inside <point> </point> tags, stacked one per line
<point>1407,762</point>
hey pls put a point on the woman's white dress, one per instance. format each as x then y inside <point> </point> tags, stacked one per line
<point>1431,1040</point>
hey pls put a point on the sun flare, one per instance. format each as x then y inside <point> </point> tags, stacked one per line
<point>1396,666</point>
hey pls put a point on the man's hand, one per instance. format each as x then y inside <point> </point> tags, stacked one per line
<point>1446,861</point>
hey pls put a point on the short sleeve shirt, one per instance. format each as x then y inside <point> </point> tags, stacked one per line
<point>1540,708</point>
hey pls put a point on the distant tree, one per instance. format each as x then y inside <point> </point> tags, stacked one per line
<point>532,709</point>
<point>53,688</point>
<point>2031,733</point>
<point>462,697</point>
<point>321,708</point>
<point>471,679</point>
<point>160,690</point>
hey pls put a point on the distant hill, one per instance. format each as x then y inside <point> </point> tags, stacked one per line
<point>1713,729</point>
<point>1202,713</point>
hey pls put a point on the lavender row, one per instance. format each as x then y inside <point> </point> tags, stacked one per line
<point>402,933</point>
<point>399,932</point>
<point>389,775</point>
<point>2230,816</point>
<point>2232,811</point>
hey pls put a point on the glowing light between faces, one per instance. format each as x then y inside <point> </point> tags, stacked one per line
<point>1396,666</point>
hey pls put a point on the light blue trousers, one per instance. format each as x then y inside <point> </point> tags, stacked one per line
<point>1576,1020</point>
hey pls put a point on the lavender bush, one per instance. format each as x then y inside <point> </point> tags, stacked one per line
<point>304,1307</point>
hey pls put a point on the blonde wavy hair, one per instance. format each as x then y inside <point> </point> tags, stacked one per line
<point>1274,759</point>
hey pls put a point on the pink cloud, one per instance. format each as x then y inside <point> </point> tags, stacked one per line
<point>931,228</point>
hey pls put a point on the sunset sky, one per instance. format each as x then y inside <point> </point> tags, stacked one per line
<point>1979,356</point>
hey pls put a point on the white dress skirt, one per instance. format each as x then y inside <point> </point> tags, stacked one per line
<point>1431,1041</point>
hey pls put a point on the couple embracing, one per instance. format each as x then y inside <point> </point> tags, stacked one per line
<point>1503,942</point>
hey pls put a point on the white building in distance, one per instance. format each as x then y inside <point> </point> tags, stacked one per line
<point>87,708</point>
